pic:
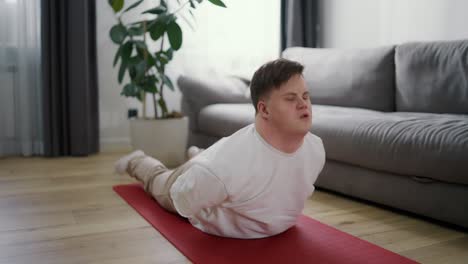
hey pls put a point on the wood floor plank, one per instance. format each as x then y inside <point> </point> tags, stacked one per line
<point>59,201</point>
<point>453,251</point>
<point>108,246</point>
<point>414,236</point>
<point>10,221</point>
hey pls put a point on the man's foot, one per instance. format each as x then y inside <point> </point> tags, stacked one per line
<point>122,164</point>
<point>193,151</point>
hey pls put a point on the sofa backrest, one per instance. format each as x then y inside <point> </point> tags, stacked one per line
<point>432,77</point>
<point>362,78</point>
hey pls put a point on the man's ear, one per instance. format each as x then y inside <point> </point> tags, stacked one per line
<point>263,109</point>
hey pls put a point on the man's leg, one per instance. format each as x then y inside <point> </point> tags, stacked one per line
<point>156,178</point>
<point>159,181</point>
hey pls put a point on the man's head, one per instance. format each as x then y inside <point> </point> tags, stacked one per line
<point>280,96</point>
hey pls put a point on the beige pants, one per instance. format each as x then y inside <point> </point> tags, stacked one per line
<point>156,178</point>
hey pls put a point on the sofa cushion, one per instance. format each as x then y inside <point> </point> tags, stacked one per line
<point>432,77</point>
<point>413,144</point>
<point>357,78</point>
<point>200,91</point>
<point>222,120</point>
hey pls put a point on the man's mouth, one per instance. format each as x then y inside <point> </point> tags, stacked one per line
<point>303,116</point>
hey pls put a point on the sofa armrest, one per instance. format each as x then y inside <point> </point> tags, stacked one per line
<point>199,92</point>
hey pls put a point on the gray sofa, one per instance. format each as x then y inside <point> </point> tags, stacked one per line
<point>394,122</point>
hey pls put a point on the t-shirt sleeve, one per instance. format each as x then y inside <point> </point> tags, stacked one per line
<point>322,154</point>
<point>319,156</point>
<point>197,189</point>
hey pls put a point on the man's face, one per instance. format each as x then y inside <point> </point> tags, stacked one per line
<point>288,108</point>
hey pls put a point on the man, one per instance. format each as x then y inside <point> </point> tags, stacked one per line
<point>255,182</point>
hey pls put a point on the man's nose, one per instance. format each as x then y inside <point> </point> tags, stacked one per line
<point>302,103</point>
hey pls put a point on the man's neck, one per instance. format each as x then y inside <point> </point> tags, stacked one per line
<point>278,139</point>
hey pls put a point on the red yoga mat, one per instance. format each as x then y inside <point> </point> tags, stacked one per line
<point>308,242</point>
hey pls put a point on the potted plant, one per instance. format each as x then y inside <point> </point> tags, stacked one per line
<point>165,135</point>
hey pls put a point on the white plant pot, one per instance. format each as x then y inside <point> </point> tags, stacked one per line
<point>163,139</point>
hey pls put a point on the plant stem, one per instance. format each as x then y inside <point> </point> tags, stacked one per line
<point>155,106</point>
<point>161,90</point>
<point>144,104</point>
<point>143,96</point>
<point>146,59</point>
<point>155,103</point>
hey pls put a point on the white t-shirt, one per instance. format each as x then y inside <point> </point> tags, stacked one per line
<point>243,187</point>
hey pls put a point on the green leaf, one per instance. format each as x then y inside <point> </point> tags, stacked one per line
<point>132,72</point>
<point>125,55</point>
<point>118,33</point>
<point>150,79</point>
<point>117,56</point>
<point>133,5</point>
<point>131,90</point>
<point>217,2</point>
<point>150,60</point>
<point>166,18</point>
<point>153,79</point>
<point>133,60</point>
<point>175,35</point>
<point>140,70</point>
<point>192,5</point>
<point>150,85</point>
<point>140,44</point>
<point>168,82</point>
<point>169,53</point>
<point>123,67</point>
<point>127,49</point>
<point>124,90</point>
<point>138,90</point>
<point>140,54</point>
<point>162,57</point>
<point>157,10</point>
<point>150,88</point>
<point>127,90</point>
<point>163,60</point>
<point>157,64</point>
<point>135,31</point>
<point>117,5</point>
<point>157,30</point>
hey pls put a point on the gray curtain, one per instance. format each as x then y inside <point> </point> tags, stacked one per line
<point>70,92</point>
<point>20,85</point>
<point>299,23</point>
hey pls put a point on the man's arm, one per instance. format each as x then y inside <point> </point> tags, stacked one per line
<point>197,189</point>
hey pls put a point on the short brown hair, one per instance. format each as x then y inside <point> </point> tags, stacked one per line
<point>271,76</point>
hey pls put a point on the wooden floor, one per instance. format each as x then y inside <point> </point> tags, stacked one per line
<point>64,211</point>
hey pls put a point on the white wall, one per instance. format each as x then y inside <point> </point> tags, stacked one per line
<point>370,23</point>
<point>235,40</point>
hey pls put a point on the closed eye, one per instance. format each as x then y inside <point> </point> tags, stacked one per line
<point>292,97</point>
